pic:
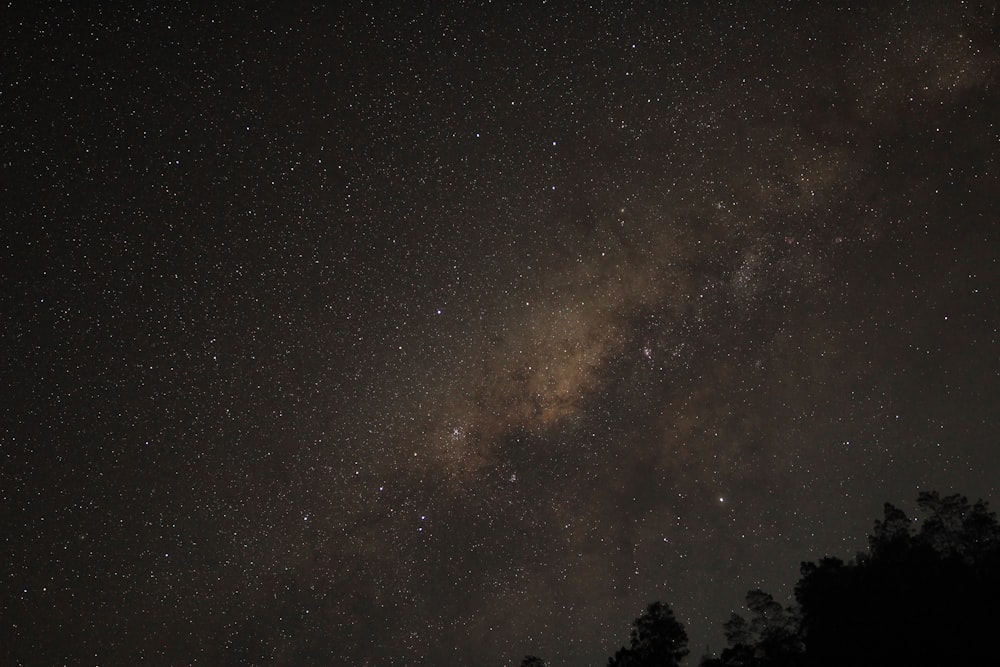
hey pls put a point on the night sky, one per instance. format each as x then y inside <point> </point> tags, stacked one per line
<point>451,332</point>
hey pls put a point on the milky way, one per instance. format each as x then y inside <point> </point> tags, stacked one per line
<point>447,335</point>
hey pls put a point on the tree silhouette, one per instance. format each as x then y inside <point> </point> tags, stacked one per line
<point>923,595</point>
<point>954,529</point>
<point>657,640</point>
<point>770,637</point>
<point>532,661</point>
<point>891,535</point>
<point>919,597</point>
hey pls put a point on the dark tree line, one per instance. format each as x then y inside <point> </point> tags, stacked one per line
<point>926,594</point>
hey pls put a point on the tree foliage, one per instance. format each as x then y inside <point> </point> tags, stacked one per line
<point>924,594</point>
<point>770,637</point>
<point>657,640</point>
<point>921,596</point>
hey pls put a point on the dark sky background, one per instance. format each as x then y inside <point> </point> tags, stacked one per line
<point>453,332</point>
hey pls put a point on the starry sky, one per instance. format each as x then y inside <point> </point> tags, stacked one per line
<point>445,333</point>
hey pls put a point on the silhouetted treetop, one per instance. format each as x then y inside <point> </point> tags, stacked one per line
<point>953,528</point>
<point>657,640</point>
<point>770,637</point>
<point>923,595</point>
<point>891,534</point>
